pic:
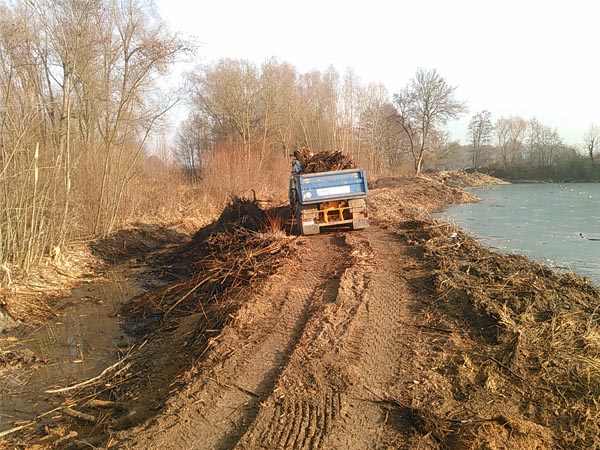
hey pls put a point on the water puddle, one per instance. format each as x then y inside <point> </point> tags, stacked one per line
<point>77,345</point>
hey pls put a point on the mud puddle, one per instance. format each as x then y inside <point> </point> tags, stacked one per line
<point>79,343</point>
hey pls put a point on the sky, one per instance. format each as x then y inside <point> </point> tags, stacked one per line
<point>512,57</point>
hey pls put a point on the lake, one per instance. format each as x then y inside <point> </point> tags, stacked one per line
<point>557,224</point>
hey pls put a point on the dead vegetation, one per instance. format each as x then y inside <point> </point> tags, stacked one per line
<point>26,296</point>
<point>393,199</point>
<point>508,350</point>
<point>462,179</point>
<point>531,334</point>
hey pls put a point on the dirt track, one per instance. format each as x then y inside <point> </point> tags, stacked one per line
<point>307,361</point>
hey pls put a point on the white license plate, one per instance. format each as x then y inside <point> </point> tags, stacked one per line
<point>333,190</point>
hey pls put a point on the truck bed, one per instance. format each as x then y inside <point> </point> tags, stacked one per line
<point>326,186</point>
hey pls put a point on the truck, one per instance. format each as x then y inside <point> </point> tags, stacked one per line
<point>326,199</point>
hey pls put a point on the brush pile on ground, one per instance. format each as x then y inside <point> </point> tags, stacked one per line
<point>393,199</point>
<point>323,161</point>
<point>535,335</point>
<point>463,179</point>
<point>222,258</point>
<point>230,254</point>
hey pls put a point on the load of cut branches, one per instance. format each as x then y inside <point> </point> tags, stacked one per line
<point>323,161</point>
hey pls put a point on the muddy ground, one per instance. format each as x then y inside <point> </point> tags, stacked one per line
<point>406,335</point>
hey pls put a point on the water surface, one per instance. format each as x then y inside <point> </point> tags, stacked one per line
<point>77,345</point>
<point>557,224</point>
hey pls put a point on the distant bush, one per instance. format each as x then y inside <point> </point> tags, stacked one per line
<point>567,170</point>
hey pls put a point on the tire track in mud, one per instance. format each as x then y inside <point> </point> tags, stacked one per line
<point>306,360</point>
<point>349,355</point>
<point>297,423</point>
<point>246,361</point>
<point>307,401</point>
<point>375,346</point>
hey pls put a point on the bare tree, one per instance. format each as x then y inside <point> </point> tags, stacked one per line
<point>192,140</point>
<point>348,112</point>
<point>376,122</point>
<point>137,50</point>
<point>78,100</point>
<point>272,108</point>
<point>228,93</point>
<point>279,83</point>
<point>510,134</point>
<point>591,140</point>
<point>316,106</point>
<point>444,152</point>
<point>502,128</point>
<point>276,124</point>
<point>425,105</point>
<point>544,144</point>
<point>480,134</point>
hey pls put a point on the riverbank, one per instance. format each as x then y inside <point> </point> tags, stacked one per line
<point>447,343</point>
<point>529,350</point>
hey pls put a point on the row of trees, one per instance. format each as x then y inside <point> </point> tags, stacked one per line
<point>82,97</point>
<point>265,112</point>
<point>516,146</point>
<point>79,100</point>
<point>270,110</point>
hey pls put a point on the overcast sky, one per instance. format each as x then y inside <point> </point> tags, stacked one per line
<point>511,57</point>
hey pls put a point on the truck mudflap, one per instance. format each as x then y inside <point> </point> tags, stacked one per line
<point>358,209</point>
<point>307,219</point>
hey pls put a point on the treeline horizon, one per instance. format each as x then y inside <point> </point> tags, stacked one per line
<point>84,133</point>
<point>517,149</point>
<point>274,108</point>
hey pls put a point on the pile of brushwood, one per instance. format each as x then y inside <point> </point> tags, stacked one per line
<point>463,179</point>
<point>323,161</point>
<point>223,257</point>
<point>175,325</point>
<point>535,334</point>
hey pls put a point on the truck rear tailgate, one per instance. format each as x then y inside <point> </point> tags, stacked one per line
<point>324,186</point>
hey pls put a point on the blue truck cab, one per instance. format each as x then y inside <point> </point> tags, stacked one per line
<point>329,198</point>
